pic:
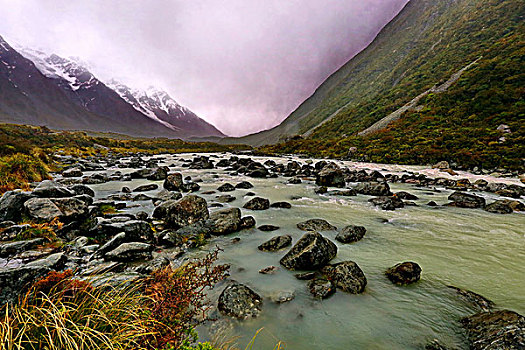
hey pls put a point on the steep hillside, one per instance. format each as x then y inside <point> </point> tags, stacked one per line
<point>479,121</point>
<point>423,46</point>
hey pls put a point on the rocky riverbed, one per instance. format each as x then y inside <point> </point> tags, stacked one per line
<point>322,254</point>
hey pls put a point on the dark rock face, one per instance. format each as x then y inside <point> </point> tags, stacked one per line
<point>244,185</point>
<point>130,252</point>
<point>144,188</point>
<point>373,188</point>
<point>42,209</point>
<point>12,205</point>
<point>267,228</point>
<point>136,230</point>
<point>226,188</point>
<point>331,176</point>
<point>189,210</point>
<point>404,273</point>
<point>504,206</point>
<point>343,193</point>
<point>82,189</point>
<point>173,182</point>
<point>311,252</point>
<point>225,221</point>
<point>466,200</point>
<point>247,222</point>
<point>14,281</point>
<point>321,288</point>
<point>496,330</point>
<point>351,234</point>
<point>239,301</point>
<point>347,276</point>
<point>257,203</point>
<point>52,189</point>
<point>282,205</point>
<point>387,203</point>
<point>316,225</point>
<point>276,243</point>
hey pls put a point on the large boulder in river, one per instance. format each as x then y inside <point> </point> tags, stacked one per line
<point>347,276</point>
<point>225,221</point>
<point>387,202</point>
<point>404,273</point>
<point>373,188</point>
<point>173,182</point>
<point>331,176</point>
<point>12,205</point>
<point>42,209</point>
<point>276,243</point>
<point>237,300</point>
<point>466,200</point>
<point>350,234</point>
<point>257,203</point>
<point>503,329</point>
<point>316,225</point>
<point>311,252</point>
<point>188,210</point>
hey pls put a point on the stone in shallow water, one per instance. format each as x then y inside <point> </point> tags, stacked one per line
<point>276,243</point>
<point>282,296</point>
<point>257,203</point>
<point>237,300</point>
<point>282,205</point>
<point>268,270</point>
<point>474,298</point>
<point>404,273</point>
<point>268,228</point>
<point>226,188</point>
<point>496,330</point>
<point>247,222</point>
<point>466,200</point>
<point>351,234</point>
<point>244,185</point>
<point>347,276</point>
<point>316,225</point>
<point>225,221</point>
<point>312,251</point>
<point>321,288</point>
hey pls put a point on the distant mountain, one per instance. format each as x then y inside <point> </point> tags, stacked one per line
<point>159,106</point>
<point>424,45</point>
<point>61,93</point>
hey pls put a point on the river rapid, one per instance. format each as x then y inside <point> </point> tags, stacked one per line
<point>467,248</point>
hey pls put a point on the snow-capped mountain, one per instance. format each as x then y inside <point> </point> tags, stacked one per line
<point>62,93</point>
<point>159,106</point>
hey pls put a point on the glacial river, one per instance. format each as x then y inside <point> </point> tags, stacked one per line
<point>466,248</point>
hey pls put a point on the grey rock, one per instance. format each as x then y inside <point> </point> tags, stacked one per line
<point>404,273</point>
<point>12,248</point>
<point>225,221</point>
<point>12,205</point>
<point>350,234</point>
<point>373,188</point>
<point>347,276</point>
<point>13,282</point>
<point>321,288</point>
<point>52,189</point>
<point>173,182</point>
<point>466,200</point>
<point>42,209</point>
<point>130,252</point>
<point>239,301</point>
<point>257,203</point>
<point>316,225</point>
<point>312,251</point>
<point>276,243</point>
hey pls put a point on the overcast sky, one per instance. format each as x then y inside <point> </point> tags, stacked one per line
<point>242,65</point>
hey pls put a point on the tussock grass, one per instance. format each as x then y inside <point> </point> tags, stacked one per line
<point>18,170</point>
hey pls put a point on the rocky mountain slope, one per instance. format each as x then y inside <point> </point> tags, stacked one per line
<point>423,46</point>
<point>61,93</point>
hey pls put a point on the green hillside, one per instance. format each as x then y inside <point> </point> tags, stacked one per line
<point>459,125</point>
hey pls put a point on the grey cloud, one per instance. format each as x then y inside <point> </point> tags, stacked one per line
<point>243,65</point>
